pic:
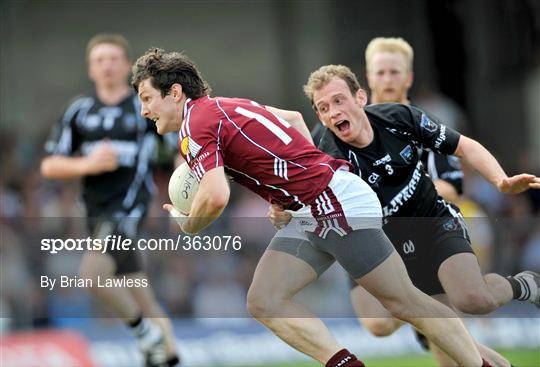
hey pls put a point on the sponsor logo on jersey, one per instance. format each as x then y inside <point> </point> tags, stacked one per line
<point>201,158</point>
<point>407,154</point>
<point>427,124</point>
<point>451,225</point>
<point>408,247</point>
<point>92,122</point>
<point>441,138</point>
<point>404,194</point>
<point>382,161</point>
<point>130,122</point>
<point>184,146</point>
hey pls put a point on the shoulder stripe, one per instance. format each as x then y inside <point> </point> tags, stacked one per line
<point>250,139</point>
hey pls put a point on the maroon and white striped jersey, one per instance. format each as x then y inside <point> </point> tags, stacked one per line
<point>258,150</point>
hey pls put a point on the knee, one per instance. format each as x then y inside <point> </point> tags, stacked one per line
<point>381,327</point>
<point>475,303</point>
<point>260,305</point>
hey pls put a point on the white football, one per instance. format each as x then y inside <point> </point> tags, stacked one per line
<point>183,186</point>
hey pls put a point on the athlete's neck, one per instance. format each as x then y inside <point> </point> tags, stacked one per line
<point>112,95</point>
<point>365,135</point>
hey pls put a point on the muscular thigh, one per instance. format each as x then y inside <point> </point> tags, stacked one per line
<point>280,275</point>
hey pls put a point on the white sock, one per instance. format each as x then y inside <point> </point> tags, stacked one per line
<point>147,333</point>
<point>529,288</point>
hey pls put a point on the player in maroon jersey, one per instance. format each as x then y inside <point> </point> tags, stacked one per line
<point>339,213</point>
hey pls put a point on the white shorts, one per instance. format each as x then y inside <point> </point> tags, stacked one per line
<point>347,204</point>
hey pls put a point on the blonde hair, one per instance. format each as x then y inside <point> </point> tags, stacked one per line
<point>389,44</point>
<point>322,76</point>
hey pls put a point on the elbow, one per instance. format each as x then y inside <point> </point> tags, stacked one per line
<point>219,201</point>
<point>45,168</point>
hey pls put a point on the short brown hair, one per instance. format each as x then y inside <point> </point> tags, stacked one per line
<point>115,39</point>
<point>167,68</point>
<point>390,44</point>
<point>322,76</point>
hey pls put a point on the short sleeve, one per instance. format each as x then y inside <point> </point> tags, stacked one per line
<point>431,134</point>
<point>63,138</point>
<point>202,147</point>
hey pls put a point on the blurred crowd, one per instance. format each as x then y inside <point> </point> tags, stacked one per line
<point>505,234</point>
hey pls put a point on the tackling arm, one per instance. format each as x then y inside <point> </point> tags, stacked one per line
<point>295,119</point>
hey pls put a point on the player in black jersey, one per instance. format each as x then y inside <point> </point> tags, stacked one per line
<point>102,139</point>
<point>381,142</point>
<point>389,73</point>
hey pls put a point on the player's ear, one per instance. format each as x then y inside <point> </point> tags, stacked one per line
<point>361,97</point>
<point>176,91</point>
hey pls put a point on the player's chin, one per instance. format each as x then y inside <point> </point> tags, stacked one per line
<point>160,129</point>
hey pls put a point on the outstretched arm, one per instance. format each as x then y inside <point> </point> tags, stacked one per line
<point>476,156</point>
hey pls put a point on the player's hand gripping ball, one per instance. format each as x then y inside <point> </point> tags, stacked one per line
<point>183,186</point>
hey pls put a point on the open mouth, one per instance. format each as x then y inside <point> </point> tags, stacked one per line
<point>343,126</point>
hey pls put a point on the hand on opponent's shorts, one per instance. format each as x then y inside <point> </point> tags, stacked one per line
<point>278,216</point>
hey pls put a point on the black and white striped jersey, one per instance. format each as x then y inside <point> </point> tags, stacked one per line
<point>84,124</point>
<point>443,167</point>
<point>390,164</point>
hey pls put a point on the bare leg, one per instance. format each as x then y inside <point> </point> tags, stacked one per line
<point>278,277</point>
<point>443,360</point>
<point>145,298</point>
<point>390,284</point>
<point>468,290</point>
<point>372,314</point>
<point>120,300</point>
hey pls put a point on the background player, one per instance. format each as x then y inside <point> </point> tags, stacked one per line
<point>389,73</point>
<point>102,139</point>
<point>263,153</point>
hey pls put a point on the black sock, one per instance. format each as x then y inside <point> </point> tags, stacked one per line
<point>173,361</point>
<point>516,287</point>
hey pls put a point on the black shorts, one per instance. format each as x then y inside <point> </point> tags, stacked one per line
<point>424,243</point>
<point>120,222</point>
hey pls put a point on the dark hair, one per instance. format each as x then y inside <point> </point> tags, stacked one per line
<point>167,68</point>
<point>115,39</point>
